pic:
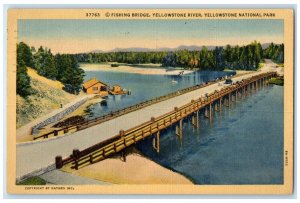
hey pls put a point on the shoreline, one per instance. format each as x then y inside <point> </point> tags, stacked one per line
<point>150,69</point>
<point>115,171</point>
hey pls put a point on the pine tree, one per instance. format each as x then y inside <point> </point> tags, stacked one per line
<point>72,76</point>
<point>23,80</point>
<point>24,53</point>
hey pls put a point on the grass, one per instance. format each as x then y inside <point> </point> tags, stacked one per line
<point>280,64</point>
<point>276,81</point>
<point>48,95</point>
<point>260,65</point>
<point>33,181</point>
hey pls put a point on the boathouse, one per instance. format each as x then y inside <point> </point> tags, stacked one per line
<point>117,88</point>
<point>94,86</point>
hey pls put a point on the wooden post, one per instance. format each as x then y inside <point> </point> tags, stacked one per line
<point>58,162</point>
<point>193,119</point>
<point>210,112</point>
<point>220,104</point>
<point>216,108</point>
<point>180,131</point>
<point>123,155</point>
<point>250,89</point>
<point>176,109</point>
<point>157,142</point>
<point>206,113</point>
<point>259,83</point>
<point>197,119</point>
<point>76,156</point>
<point>229,100</point>
<point>121,133</point>
<point>91,159</point>
<point>256,87</point>
<point>236,96</point>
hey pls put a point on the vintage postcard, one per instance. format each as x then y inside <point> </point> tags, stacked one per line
<point>150,101</point>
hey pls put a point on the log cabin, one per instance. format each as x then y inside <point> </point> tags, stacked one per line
<point>94,86</point>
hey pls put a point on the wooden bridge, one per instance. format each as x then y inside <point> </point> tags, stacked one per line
<point>210,102</point>
<point>98,120</point>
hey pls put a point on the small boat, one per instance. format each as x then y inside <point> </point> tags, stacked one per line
<point>174,81</point>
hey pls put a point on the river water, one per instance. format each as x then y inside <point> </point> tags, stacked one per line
<point>144,87</point>
<point>242,145</point>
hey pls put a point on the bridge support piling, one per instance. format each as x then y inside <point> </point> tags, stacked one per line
<point>210,112</point>
<point>216,107</point>
<point>248,89</point>
<point>179,130</point>
<point>256,86</point>
<point>156,143</point>
<point>197,119</point>
<point>220,104</point>
<point>226,102</point>
<point>206,113</point>
<point>123,155</point>
<point>260,83</point>
<point>193,119</point>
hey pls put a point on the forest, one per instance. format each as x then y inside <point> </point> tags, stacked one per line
<point>65,67</point>
<point>61,67</point>
<point>232,57</point>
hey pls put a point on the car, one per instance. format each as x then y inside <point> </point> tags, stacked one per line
<point>228,81</point>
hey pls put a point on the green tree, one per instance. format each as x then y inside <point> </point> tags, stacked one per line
<point>24,53</point>
<point>71,75</point>
<point>23,80</point>
<point>45,63</point>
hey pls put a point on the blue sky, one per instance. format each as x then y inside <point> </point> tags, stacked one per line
<point>86,35</point>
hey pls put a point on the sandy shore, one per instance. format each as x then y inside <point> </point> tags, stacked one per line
<point>136,170</point>
<point>153,69</point>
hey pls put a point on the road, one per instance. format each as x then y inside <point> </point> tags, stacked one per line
<point>40,154</point>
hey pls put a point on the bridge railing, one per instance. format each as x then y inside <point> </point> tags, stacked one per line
<point>126,138</point>
<point>112,115</point>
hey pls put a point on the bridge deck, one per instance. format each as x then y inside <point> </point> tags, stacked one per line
<point>38,155</point>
